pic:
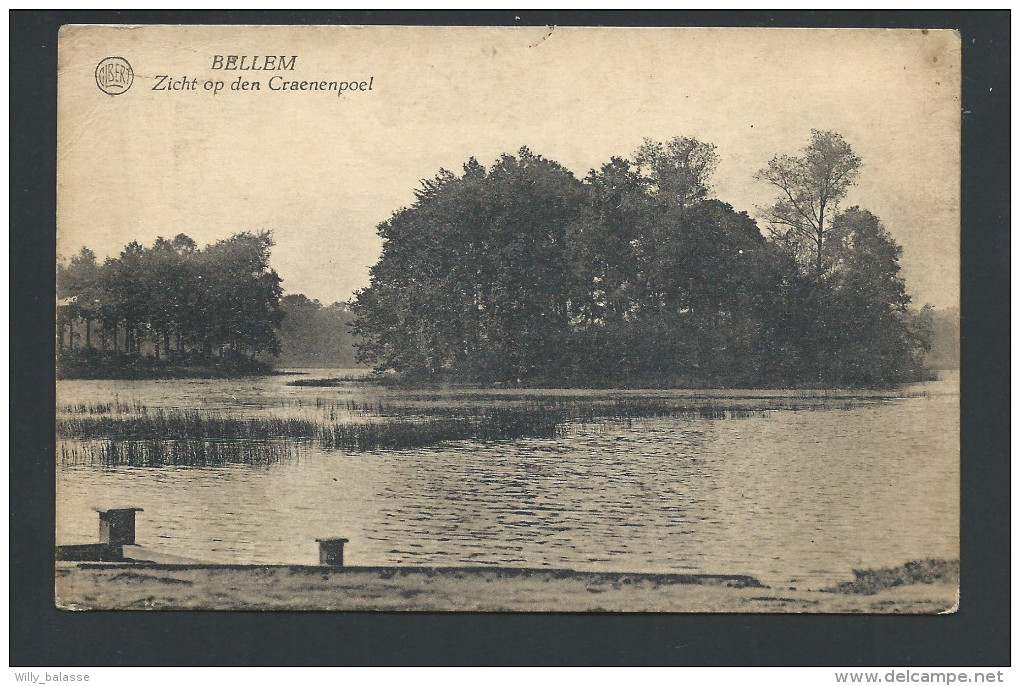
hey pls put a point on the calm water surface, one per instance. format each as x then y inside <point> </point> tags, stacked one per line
<point>794,497</point>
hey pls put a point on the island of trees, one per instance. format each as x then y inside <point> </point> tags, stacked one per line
<point>636,275</point>
<point>521,273</point>
<point>174,310</point>
<point>169,310</point>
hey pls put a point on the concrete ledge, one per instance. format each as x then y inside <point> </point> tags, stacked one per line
<point>149,586</point>
<point>90,551</point>
<point>729,580</point>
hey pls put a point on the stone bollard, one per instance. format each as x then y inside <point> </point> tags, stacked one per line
<point>117,527</point>
<point>331,551</point>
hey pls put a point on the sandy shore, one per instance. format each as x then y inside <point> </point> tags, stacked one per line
<point>120,586</point>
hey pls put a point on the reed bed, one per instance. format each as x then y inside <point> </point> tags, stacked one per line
<point>183,425</point>
<point>404,433</point>
<point>100,433</point>
<point>332,382</point>
<point>115,407</point>
<point>586,408</point>
<point>320,383</point>
<point>189,438</point>
<point>575,410</point>
<point>180,453</point>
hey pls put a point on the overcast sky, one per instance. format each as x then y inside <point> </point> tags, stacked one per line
<point>322,171</point>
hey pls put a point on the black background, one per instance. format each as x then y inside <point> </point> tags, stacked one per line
<point>977,635</point>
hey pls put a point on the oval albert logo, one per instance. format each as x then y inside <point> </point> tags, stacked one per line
<point>114,75</point>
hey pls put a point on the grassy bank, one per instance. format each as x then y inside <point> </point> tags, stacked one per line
<point>930,571</point>
<point>474,589</point>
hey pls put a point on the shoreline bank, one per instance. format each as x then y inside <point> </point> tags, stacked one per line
<point>152,586</point>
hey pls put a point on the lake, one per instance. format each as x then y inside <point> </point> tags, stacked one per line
<point>796,497</point>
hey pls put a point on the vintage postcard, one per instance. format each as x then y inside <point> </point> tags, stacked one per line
<point>508,319</point>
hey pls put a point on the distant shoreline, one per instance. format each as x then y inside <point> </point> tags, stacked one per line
<point>642,383</point>
<point>100,365</point>
<point>183,373</point>
<point>148,369</point>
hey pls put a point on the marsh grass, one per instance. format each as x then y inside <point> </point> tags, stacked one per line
<point>115,407</point>
<point>871,581</point>
<point>404,433</point>
<point>182,425</point>
<point>183,453</point>
<point>573,409</point>
<point>119,434</point>
<point>334,381</point>
<point>192,439</point>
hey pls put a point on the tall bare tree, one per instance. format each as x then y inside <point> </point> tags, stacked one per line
<point>811,187</point>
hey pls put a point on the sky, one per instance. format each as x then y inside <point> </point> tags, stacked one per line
<point>322,171</point>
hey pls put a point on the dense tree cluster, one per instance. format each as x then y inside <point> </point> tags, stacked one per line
<point>635,274</point>
<point>171,301</point>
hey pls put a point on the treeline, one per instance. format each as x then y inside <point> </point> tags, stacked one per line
<point>945,340</point>
<point>521,272</point>
<point>315,335</point>
<point>169,304</point>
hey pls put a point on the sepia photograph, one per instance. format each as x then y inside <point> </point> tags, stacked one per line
<point>508,319</point>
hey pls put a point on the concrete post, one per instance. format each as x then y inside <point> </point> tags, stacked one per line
<point>117,527</point>
<point>331,551</point>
